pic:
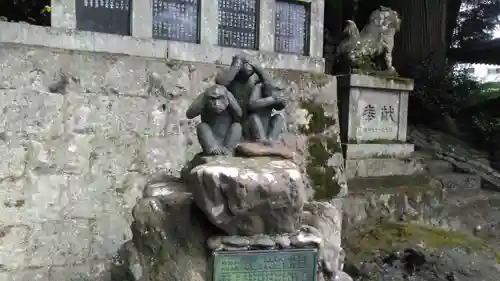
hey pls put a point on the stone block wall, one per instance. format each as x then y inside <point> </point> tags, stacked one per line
<point>80,132</point>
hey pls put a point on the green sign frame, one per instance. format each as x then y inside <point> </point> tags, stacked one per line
<point>268,265</point>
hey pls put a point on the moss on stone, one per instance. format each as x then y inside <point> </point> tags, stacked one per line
<point>392,236</point>
<point>320,148</point>
<point>14,204</point>
<point>322,176</point>
<point>319,79</point>
<point>414,184</point>
<point>319,121</point>
<point>173,64</point>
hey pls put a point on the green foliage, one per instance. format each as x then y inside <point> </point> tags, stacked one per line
<point>440,89</point>
<point>485,126</point>
<point>477,22</point>
<point>30,11</point>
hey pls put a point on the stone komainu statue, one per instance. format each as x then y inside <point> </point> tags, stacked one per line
<point>371,49</point>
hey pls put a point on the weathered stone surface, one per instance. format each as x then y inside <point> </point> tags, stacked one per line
<point>247,196</point>
<point>309,236</point>
<point>249,149</point>
<point>326,218</point>
<point>13,246</point>
<point>59,243</point>
<point>80,133</point>
<point>169,243</point>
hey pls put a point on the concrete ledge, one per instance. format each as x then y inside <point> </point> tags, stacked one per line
<point>26,34</point>
<point>369,150</point>
<point>366,81</point>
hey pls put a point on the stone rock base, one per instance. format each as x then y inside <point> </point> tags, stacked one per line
<point>305,238</point>
<point>251,149</point>
<point>249,196</point>
<point>169,242</point>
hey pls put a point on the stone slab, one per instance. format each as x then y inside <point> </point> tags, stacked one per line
<point>368,81</point>
<point>435,167</point>
<point>373,108</point>
<point>383,167</point>
<point>296,263</point>
<point>368,150</point>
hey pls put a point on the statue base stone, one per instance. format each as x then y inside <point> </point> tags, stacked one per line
<point>307,237</point>
<point>381,160</point>
<point>260,254</point>
<point>249,196</point>
<point>373,113</point>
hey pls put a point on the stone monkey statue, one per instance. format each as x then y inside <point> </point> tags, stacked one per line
<point>220,130</point>
<point>237,79</point>
<point>264,126</point>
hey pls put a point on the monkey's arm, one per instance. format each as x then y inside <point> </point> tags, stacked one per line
<point>196,106</point>
<point>264,76</point>
<point>224,78</point>
<point>234,106</point>
<point>256,101</point>
<point>279,105</point>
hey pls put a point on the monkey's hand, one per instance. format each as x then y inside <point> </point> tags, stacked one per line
<point>216,151</point>
<point>225,151</point>
<point>278,98</point>
<point>242,57</point>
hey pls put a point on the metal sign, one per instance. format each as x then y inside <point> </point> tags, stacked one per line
<point>176,20</point>
<point>282,265</point>
<point>106,16</point>
<point>238,23</point>
<point>292,28</point>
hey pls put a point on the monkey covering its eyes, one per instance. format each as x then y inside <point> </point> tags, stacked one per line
<point>220,130</point>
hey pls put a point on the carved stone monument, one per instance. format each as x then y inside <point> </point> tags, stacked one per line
<point>373,100</point>
<point>373,115</point>
<point>370,50</point>
<point>247,217</point>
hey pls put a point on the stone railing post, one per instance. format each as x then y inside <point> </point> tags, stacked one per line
<point>63,14</point>
<point>267,28</point>
<point>316,29</point>
<point>209,27</point>
<point>142,18</point>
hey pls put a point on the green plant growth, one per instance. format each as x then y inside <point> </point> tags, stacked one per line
<point>319,119</point>
<point>320,148</point>
<point>439,90</point>
<point>414,185</point>
<point>322,176</point>
<point>14,204</point>
<point>319,79</point>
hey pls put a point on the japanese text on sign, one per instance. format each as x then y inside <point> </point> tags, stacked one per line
<point>109,4</point>
<point>292,23</point>
<point>238,23</point>
<point>286,265</point>
<point>176,20</point>
<point>107,16</point>
<point>387,113</point>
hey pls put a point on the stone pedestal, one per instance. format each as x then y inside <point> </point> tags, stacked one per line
<point>373,114</point>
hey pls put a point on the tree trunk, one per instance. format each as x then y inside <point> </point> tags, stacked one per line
<point>423,32</point>
<point>452,17</point>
